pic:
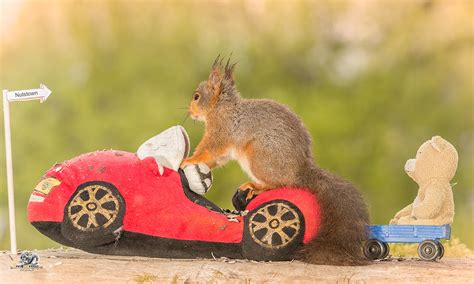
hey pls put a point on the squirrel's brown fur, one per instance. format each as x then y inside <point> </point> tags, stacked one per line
<point>274,148</point>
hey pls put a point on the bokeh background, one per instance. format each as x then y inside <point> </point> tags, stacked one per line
<point>371,80</point>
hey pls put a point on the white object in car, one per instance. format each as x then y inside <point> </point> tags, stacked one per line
<point>169,149</point>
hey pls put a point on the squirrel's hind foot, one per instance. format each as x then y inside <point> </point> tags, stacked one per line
<point>242,198</point>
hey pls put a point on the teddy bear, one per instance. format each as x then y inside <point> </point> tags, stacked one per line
<point>432,169</point>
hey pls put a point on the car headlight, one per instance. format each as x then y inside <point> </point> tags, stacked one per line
<point>46,185</point>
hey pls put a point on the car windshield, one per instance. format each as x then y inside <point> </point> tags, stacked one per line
<point>168,148</point>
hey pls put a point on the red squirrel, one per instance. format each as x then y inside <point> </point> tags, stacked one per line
<point>273,147</point>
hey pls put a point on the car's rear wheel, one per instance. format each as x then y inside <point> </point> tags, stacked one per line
<point>273,231</point>
<point>93,215</point>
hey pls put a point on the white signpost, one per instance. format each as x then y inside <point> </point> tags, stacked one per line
<point>40,94</point>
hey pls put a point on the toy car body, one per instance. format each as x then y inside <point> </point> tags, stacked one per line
<point>428,238</point>
<point>122,203</point>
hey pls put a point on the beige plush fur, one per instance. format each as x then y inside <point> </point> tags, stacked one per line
<point>432,169</point>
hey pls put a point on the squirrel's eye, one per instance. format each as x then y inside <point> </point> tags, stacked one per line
<point>196,96</point>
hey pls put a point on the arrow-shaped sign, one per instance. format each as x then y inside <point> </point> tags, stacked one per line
<point>12,96</point>
<point>26,95</point>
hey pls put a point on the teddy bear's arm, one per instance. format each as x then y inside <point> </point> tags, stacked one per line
<point>405,211</point>
<point>402,213</point>
<point>430,207</point>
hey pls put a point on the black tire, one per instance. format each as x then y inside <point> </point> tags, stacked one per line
<point>93,214</point>
<point>375,249</point>
<point>441,251</point>
<point>386,251</point>
<point>429,250</point>
<point>273,231</point>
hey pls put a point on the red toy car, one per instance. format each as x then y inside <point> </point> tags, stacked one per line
<point>121,203</point>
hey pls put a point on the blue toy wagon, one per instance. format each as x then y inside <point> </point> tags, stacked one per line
<point>428,238</point>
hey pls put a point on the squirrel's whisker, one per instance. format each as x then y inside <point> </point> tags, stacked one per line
<point>186,116</point>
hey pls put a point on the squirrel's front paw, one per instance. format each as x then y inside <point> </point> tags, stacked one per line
<point>242,198</point>
<point>185,163</point>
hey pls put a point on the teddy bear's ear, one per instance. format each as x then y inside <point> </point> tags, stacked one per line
<point>438,143</point>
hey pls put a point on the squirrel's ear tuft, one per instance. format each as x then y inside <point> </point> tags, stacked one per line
<point>217,63</point>
<point>228,70</point>
<point>221,77</point>
<point>215,77</point>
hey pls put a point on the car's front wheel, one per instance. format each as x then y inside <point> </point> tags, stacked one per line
<point>93,215</point>
<point>273,231</point>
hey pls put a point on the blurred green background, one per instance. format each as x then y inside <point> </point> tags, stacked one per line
<point>372,80</point>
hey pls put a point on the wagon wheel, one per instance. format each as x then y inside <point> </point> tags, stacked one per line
<point>273,231</point>
<point>441,251</point>
<point>429,250</point>
<point>93,215</point>
<point>375,249</point>
<point>386,250</point>
<point>92,207</point>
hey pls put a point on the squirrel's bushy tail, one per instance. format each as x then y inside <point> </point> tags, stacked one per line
<point>344,220</point>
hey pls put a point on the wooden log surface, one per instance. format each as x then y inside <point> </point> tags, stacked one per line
<point>74,266</point>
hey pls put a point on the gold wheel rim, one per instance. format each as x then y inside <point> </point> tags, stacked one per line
<point>93,207</point>
<point>274,225</point>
